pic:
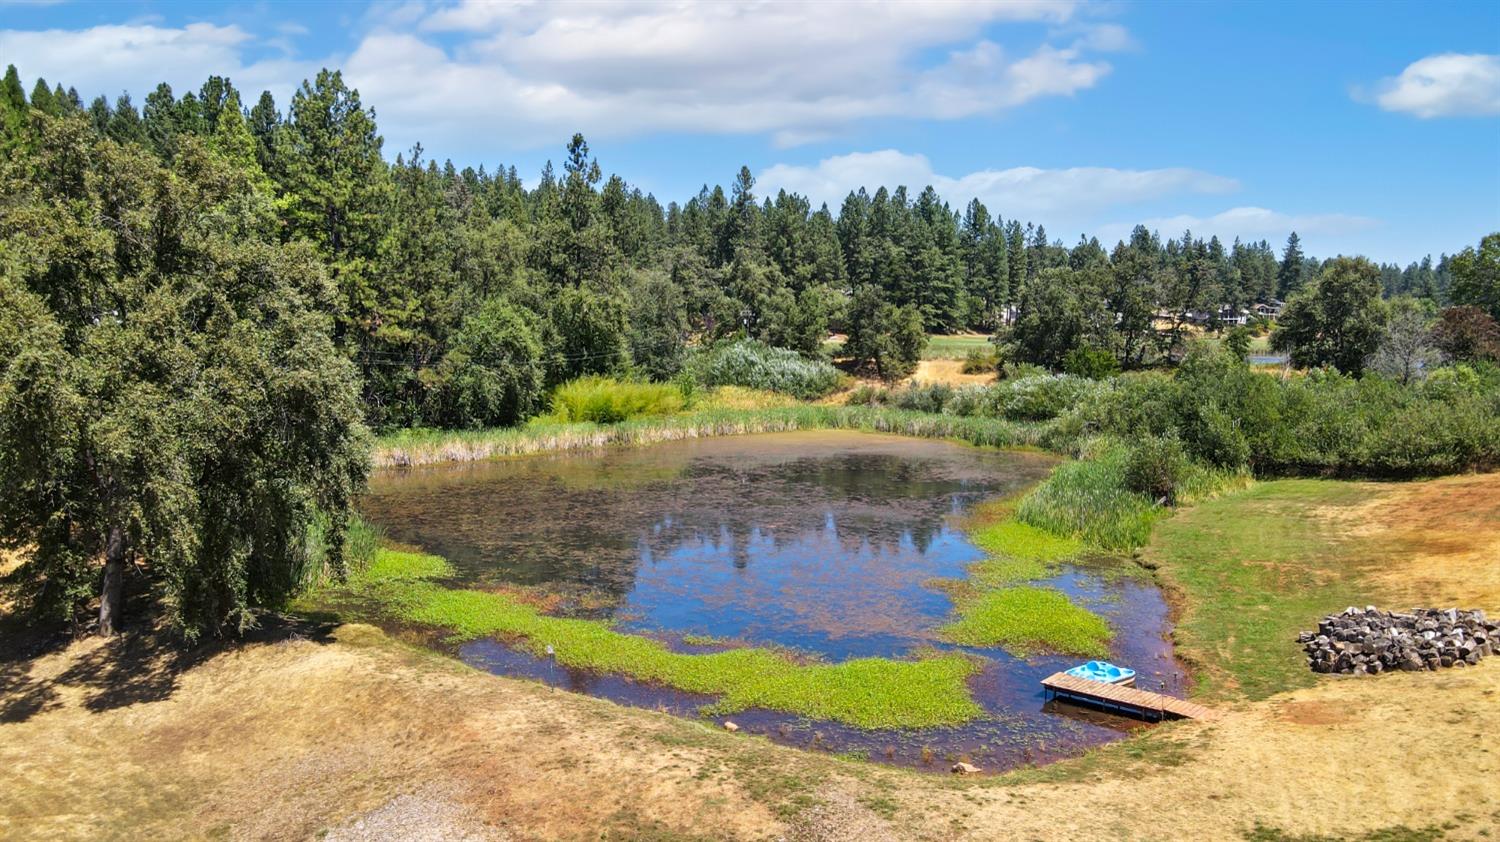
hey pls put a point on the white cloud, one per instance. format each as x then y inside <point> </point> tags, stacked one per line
<point>1107,37</point>
<point>1054,197</point>
<point>534,72</point>
<point>135,57</point>
<point>1247,223</point>
<point>1445,85</point>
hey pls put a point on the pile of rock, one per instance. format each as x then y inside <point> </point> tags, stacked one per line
<point>1366,641</point>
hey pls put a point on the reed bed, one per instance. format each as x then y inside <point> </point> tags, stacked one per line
<point>428,447</point>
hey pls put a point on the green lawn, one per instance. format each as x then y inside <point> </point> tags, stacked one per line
<point>1254,568</point>
<point>939,346</point>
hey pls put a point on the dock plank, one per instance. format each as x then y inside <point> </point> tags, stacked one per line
<point>1142,701</point>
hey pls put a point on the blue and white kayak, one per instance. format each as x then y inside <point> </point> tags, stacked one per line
<point>1103,671</point>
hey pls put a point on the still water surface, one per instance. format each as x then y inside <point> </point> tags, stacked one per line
<point>820,542</point>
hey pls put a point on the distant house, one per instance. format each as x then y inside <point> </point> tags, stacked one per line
<point>1233,316</point>
<point>1269,309</point>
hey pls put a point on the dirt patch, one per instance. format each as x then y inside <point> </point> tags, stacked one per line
<point>1431,543</point>
<point>840,815</point>
<point>1315,713</point>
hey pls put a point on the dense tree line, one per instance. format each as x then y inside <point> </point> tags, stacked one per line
<point>464,296</point>
<point>204,305</point>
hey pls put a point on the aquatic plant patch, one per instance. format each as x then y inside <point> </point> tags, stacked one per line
<point>1027,620</point>
<point>1019,540</point>
<point>863,692</point>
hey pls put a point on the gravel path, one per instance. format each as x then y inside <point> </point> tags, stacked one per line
<point>427,816</point>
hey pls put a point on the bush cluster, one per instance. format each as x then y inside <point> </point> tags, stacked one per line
<point>1032,397</point>
<point>1323,424</point>
<point>1224,415</point>
<point>981,361</point>
<point>756,365</point>
<point>603,400</point>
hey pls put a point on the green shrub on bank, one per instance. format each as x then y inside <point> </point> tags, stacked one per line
<point>1325,423</point>
<point>981,361</point>
<point>1094,498</point>
<point>756,365</point>
<point>1231,418</point>
<point>1156,466</point>
<point>602,400</point>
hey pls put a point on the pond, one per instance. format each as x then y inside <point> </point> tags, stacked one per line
<point>822,543</point>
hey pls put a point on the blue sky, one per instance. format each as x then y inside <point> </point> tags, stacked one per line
<point>1371,128</point>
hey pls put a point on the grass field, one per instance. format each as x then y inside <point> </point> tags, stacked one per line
<point>1254,568</point>
<point>940,346</point>
<point>955,346</point>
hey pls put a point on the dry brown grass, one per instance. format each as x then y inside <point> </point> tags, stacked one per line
<point>285,740</point>
<point>1436,542</point>
<point>947,371</point>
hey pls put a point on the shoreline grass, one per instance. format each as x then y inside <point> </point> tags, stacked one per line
<point>1088,498</point>
<point>429,447</point>
<point>863,692</point>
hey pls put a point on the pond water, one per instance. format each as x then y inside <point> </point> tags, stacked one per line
<point>820,542</point>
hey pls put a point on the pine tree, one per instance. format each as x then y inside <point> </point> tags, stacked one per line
<point>232,139</point>
<point>1289,278</point>
<point>1015,250</point>
<point>43,100</point>
<point>741,228</point>
<point>100,115</point>
<point>126,126</point>
<point>335,183</point>
<point>13,108</point>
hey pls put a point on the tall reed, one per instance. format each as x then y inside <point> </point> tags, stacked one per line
<point>425,447</point>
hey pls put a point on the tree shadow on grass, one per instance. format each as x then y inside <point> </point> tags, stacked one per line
<point>143,665</point>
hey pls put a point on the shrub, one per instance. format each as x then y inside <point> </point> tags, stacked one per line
<point>603,400</point>
<point>866,395</point>
<point>1091,363</point>
<point>1156,466</point>
<point>1232,418</point>
<point>1217,438</point>
<point>981,361</point>
<point>759,366</point>
<point>921,397</point>
<point>1038,398</point>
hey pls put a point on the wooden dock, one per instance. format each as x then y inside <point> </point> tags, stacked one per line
<point>1138,702</point>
